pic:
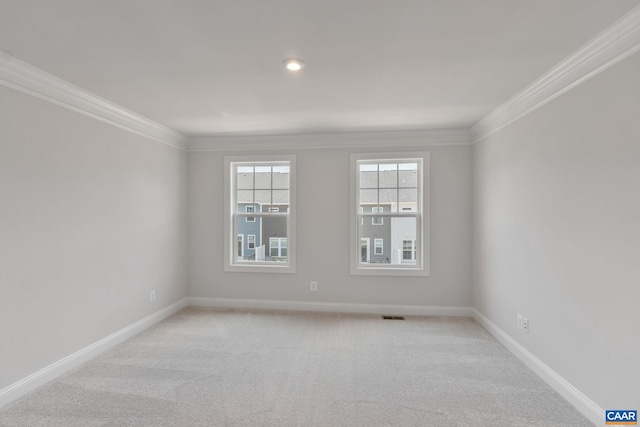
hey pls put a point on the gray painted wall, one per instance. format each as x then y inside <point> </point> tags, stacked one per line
<point>91,219</point>
<point>557,234</point>
<point>323,239</point>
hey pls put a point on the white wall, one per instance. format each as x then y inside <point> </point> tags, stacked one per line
<point>91,219</point>
<point>557,234</point>
<point>323,234</point>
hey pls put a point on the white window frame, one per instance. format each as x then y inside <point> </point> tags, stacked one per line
<point>412,250</point>
<point>230,223</point>
<point>279,246</point>
<point>378,244</point>
<point>422,264</point>
<point>250,244</point>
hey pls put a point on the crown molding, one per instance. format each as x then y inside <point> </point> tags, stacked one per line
<point>617,42</point>
<point>28,79</point>
<point>383,140</point>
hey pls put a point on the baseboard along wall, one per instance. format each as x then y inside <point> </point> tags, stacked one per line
<point>581,402</point>
<point>51,372</point>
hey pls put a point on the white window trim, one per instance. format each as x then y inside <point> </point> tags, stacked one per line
<point>228,251</point>
<point>375,246</point>
<point>422,267</point>
<point>249,241</point>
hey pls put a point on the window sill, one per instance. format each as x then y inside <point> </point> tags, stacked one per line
<point>389,271</point>
<point>260,268</point>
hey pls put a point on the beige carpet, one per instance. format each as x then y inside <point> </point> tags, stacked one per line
<point>205,367</point>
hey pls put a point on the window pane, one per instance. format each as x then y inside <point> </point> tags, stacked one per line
<point>387,241</point>
<point>368,176</point>
<point>408,199</point>
<point>281,177</point>
<point>245,228</point>
<point>263,197</point>
<point>388,175</point>
<point>244,177</point>
<point>389,196</point>
<point>408,175</point>
<point>244,196</point>
<point>368,197</point>
<point>263,177</point>
<point>263,240</point>
<point>280,197</point>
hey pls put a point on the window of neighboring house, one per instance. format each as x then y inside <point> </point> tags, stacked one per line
<point>377,220</point>
<point>240,245</point>
<point>278,246</point>
<point>408,250</point>
<point>250,209</point>
<point>378,246</point>
<point>392,190</point>
<point>251,184</point>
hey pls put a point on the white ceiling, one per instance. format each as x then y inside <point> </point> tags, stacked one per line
<point>204,67</point>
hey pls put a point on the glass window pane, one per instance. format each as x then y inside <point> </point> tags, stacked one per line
<point>268,241</point>
<point>244,178</point>
<point>244,197</point>
<point>368,197</point>
<point>263,197</point>
<point>388,175</point>
<point>404,235</point>
<point>263,177</point>
<point>244,228</point>
<point>281,177</point>
<point>389,196</point>
<point>280,197</point>
<point>368,176</point>
<point>408,199</point>
<point>408,175</point>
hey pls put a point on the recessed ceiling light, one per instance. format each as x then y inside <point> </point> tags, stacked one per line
<point>293,64</point>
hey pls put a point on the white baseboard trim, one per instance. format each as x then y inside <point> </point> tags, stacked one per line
<point>331,307</point>
<point>581,402</point>
<point>43,376</point>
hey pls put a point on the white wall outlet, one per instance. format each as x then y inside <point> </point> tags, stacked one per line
<point>152,296</point>
<point>519,321</point>
<point>525,324</point>
<point>313,286</point>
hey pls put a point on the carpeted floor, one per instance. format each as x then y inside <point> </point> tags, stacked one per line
<point>206,367</point>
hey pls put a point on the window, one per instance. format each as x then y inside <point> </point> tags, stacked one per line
<point>377,220</point>
<point>408,250</point>
<point>240,245</point>
<point>389,207</point>
<point>260,207</point>
<point>278,247</point>
<point>378,246</point>
<point>250,209</point>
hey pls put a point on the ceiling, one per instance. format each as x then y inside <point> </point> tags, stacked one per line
<point>204,67</point>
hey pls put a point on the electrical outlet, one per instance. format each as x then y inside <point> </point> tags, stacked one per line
<point>313,286</point>
<point>525,325</point>
<point>152,296</point>
<point>519,321</point>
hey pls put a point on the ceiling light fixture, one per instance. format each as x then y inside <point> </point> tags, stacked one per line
<point>293,64</point>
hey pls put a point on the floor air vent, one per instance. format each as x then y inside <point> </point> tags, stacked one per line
<point>393,317</point>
